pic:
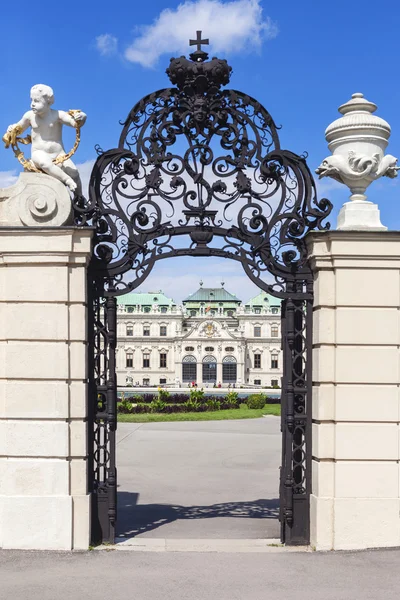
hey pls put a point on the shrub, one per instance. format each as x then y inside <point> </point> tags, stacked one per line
<point>196,394</point>
<point>157,405</point>
<point>125,406</point>
<point>163,394</point>
<point>232,396</point>
<point>213,403</point>
<point>256,401</point>
<point>192,405</point>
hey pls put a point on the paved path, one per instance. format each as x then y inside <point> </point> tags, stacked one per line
<point>180,576</point>
<point>211,479</point>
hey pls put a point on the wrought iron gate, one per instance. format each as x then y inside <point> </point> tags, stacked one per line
<point>199,172</point>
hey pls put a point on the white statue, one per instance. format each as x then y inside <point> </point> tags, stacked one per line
<point>47,145</point>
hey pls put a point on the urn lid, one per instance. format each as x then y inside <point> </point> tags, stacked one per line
<point>357,118</point>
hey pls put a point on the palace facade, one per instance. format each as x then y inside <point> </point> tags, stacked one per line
<point>212,338</point>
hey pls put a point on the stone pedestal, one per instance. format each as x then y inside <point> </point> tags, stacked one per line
<point>35,200</point>
<point>356,395</point>
<point>44,500</point>
<point>360,216</point>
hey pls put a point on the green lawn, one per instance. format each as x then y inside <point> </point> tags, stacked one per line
<point>218,415</point>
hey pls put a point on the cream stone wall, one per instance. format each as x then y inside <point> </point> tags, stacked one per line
<point>44,500</point>
<point>355,500</point>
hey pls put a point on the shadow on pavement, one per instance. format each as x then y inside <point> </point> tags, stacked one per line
<point>135,519</point>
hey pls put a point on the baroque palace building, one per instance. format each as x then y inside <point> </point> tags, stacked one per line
<point>212,338</point>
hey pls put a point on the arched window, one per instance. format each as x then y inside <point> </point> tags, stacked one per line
<point>229,349</point>
<point>229,369</point>
<point>209,369</point>
<point>189,368</point>
<point>189,349</point>
<point>209,349</point>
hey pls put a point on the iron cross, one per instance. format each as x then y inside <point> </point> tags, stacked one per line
<point>198,42</point>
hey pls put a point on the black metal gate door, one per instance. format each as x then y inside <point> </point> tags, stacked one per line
<point>199,172</point>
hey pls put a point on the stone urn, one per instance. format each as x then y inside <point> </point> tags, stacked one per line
<point>358,141</point>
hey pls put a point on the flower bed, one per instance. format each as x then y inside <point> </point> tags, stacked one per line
<point>195,401</point>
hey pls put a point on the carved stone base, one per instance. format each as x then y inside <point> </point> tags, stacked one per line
<point>35,200</point>
<point>360,216</point>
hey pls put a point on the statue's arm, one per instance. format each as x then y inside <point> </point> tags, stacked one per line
<point>22,124</point>
<point>72,121</point>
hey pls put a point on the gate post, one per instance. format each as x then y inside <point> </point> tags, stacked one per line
<point>356,362</point>
<point>44,500</point>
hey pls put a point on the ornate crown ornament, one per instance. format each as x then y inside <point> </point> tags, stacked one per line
<point>202,162</point>
<point>196,76</point>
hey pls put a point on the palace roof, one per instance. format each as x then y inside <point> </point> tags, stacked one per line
<point>212,295</point>
<point>149,298</point>
<point>262,299</point>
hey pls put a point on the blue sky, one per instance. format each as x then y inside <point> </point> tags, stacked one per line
<point>300,59</point>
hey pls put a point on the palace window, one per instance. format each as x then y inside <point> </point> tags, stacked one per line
<point>189,368</point>
<point>257,361</point>
<point>275,310</point>
<point>146,309</point>
<point>146,381</point>
<point>230,313</point>
<point>274,331</point>
<point>274,383</point>
<point>129,360</point>
<point>192,313</point>
<point>130,309</point>
<point>189,349</point>
<point>274,361</point>
<point>163,309</point>
<point>257,382</point>
<point>146,360</point>
<point>163,360</point>
<point>229,369</point>
<point>229,349</point>
<point>146,330</point>
<point>209,369</point>
<point>257,331</point>
<point>209,349</point>
<point>163,330</point>
<point>163,381</point>
<point>257,310</point>
<point>129,330</point>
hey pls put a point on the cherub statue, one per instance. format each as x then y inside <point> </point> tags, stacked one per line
<point>46,136</point>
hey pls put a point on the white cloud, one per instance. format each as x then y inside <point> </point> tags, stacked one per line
<point>8,178</point>
<point>107,44</point>
<point>235,26</point>
<point>85,170</point>
<point>327,185</point>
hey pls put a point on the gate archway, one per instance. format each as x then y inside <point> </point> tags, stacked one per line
<point>199,172</point>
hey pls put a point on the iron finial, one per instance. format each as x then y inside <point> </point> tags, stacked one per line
<point>200,54</point>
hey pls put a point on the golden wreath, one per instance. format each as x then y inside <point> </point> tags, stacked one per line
<point>11,138</point>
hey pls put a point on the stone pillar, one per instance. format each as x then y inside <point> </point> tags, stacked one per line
<point>44,500</point>
<point>356,377</point>
<point>219,373</point>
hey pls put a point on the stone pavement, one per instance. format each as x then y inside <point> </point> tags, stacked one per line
<point>280,575</point>
<point>210,479</point>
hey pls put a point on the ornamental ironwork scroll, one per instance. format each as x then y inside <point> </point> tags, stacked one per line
<point>199,171</point>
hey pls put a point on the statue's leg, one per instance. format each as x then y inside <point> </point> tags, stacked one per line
<point>71,170</point>
<point>45,163</point>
